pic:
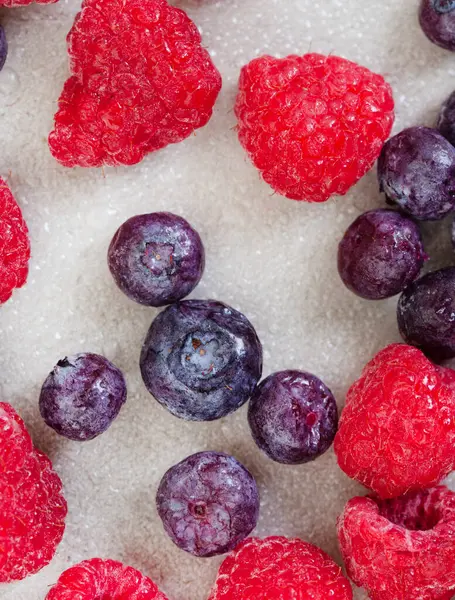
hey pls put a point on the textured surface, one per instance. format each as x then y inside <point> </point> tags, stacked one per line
<point>313,125</point>
<point>208,503</point>
<point>278,567</point>
<point>270,258</point>
<point>397,431</point>
<point>401,548</point>
<point>96,579</point>
<point>140,80</point>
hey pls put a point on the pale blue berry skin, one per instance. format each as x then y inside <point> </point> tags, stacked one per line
<point>293,417</point>
<point>3,47</point>
<point>437,19</point>
<point>156,259</point>
<point>208,503</point>
<point>82,396</point>
<point>201,359</point>
<point>416,171</point>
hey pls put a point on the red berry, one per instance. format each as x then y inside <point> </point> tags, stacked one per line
<point>14,244</point>
<point>313,125</point>
<point>397,431</point>
<point>140,80</point>
<point>279,568</point>
<point>32,507</point>
<point>98,579</point>
<point>401,549</point>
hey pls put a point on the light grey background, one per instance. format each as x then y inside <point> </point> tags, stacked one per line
<point>272,258</point>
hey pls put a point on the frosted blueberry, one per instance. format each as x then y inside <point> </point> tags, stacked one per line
<point>208,503</point>
<point>201,359</point>
<point>437,19</point>
<point>293,417</point>
<point>82,396</point>
<point>156,259</point>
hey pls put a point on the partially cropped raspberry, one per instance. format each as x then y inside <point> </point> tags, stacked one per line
<point>14,244</point>
<point>98,579</point>
<point>140,80</point>
<point>401,549</point>
<point>32,507</point>
<point>397,431</point>
<point>279,568</point>
<point>313,125</point>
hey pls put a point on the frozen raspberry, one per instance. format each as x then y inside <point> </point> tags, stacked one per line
<point>401,549</point>
<point>33,510</point>
<point>437,19</point>
<point>140,80</point>
<point>397,431</point>
<point>82,396</point>
<point>156,259</point>
<point>293,417</point>
<point>14,244</point>
<point>313,125</point>
<point>208,503</point>
<point>98,579</point>
<point>279,568</point>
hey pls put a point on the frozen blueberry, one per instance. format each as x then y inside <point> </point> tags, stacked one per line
<point>426,314</point>
<point>293,417</point>
<point>416,170</point>
<point>82,396</point>
<point>437,19</point>
<point>446,120</point>
<point>201,359</point>
<point>208,503</point>
<point>380,254</point>
<point>156,259</point>
<point>3,47</point>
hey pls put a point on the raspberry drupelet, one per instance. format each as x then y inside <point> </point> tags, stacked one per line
<point>140,80</point>
<point>313,125</point>
<point>402,548</point>
<point>397,431</point>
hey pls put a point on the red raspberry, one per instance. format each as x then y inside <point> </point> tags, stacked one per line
<point>32,508</point>
<point>401,549</point>
<point>14,244</point>
<point>141,80</point>
<point>98,579</point>
<point>397,431</point>
<point>313,125</point>
<point>279,568</point>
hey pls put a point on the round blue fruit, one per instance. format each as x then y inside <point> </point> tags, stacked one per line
<point>156,259</point>
<point>3,47</point>
<point>293,417</point>
<point>437,19</point>
<point>208,503</point>
<point>416,170</point>
<point>82,396</point>
<point>201,359</point>
<point>380,254</point>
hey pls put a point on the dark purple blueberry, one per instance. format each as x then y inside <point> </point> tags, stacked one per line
<point>437,19</point>
<point>380,254</point>
<point>82,396</point>
<point>156,259</point>
<point>446,120</point>
<point>208,503</point>
<point>201,359</point>
<point>426,314</point>
<point>3,47</point>
<point>416,170</point>
<point>293,417</point>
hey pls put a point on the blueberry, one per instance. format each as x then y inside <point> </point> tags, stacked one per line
<point>416,169</point>
<point>3,47</point>
<point>201,359</point>
<point>380,254</point>
<point>426,314</point>
<point>437,19</point>
<point>156,259</point>
<point>446,121</point>
<point>82,396</point>
<point>208,503</point>
<point>293,417</point>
